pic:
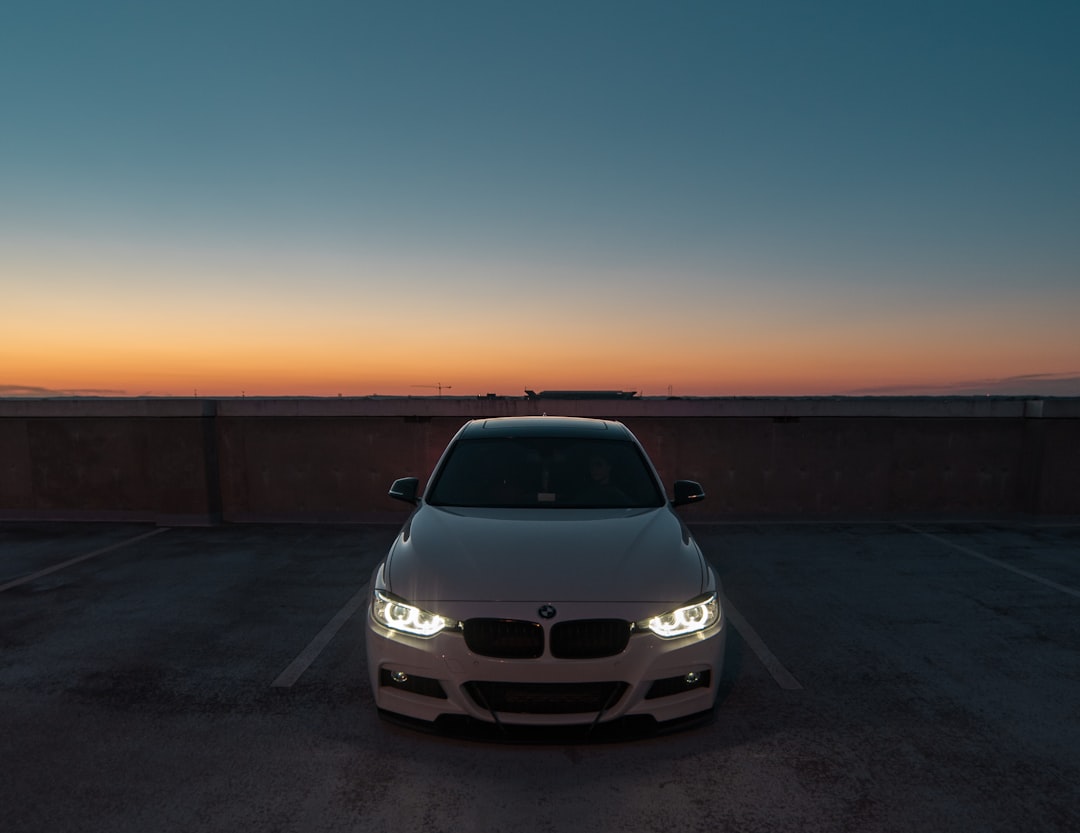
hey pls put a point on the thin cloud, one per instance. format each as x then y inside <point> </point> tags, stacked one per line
<point>1030,384</point>
<point>33,392</point>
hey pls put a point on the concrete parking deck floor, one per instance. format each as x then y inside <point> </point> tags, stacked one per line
<point>881,677</point>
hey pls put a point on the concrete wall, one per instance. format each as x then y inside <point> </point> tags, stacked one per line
<point>193,461</point>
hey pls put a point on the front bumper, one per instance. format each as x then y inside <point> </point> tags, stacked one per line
<point>666,679</point>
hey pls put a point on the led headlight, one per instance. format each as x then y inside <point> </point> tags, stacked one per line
<point>399,615</point>
<point>698,615</point>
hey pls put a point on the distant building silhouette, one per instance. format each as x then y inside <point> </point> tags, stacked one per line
<point>581,394</point>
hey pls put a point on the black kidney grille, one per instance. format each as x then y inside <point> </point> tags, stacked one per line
<point>504,638</point>
<point>546,698</point>
<point>589,638</point>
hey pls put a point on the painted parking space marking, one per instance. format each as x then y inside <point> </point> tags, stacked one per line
<point>783,677</point>
<point>995,561</point>
<point>55,567</point>
<point>299,665</point>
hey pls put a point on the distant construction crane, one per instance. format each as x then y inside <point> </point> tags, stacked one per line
<point>439,386</point>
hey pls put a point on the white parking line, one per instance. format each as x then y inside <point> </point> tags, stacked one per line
<point>783,677</point>
<point>996,562</point>
<point>76,560</point>
<point>299,665</point>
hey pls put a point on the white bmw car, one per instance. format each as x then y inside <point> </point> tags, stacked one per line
<point>544,578</point>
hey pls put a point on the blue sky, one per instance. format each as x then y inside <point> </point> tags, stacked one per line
<point>811,197</point>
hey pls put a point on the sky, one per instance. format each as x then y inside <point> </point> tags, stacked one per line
<point>693,198</point>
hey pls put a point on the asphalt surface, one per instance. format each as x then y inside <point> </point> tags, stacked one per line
<point>881,677</point>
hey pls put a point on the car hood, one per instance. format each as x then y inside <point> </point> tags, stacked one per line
<point>547,555</point>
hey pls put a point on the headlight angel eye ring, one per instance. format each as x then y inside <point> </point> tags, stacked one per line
<point>698,615</point>
<point>398,615</point>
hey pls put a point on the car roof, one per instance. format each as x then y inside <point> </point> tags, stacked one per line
<point>546,426</point>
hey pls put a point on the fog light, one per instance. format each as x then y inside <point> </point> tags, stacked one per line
<point>669,686</point>
<point>412,683</point>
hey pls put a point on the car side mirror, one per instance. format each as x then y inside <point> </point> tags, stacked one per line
<point>405,488</point>
<point>687,491</point>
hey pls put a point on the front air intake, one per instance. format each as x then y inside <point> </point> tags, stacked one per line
<point>546,698</point>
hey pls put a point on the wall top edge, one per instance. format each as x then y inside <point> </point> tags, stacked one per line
<point>488,407</point>
<point>107,407</point>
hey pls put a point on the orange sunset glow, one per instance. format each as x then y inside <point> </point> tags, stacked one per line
<point>655,211</point>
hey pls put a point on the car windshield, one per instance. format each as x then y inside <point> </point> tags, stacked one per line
<point>546,472</point>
